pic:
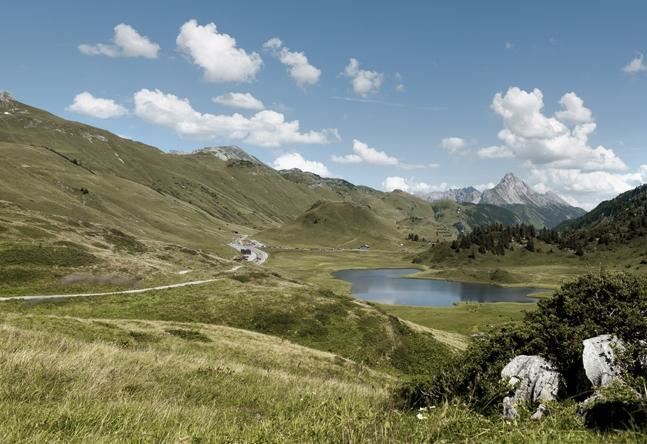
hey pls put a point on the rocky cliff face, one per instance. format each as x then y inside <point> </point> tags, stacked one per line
<point>227,153</point>
<point>512,190</point>
<point>460,195</point>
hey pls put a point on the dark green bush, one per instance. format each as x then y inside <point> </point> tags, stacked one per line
<point>590,306</point>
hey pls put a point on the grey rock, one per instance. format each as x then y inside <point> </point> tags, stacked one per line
<point>227,153</point>
<point>510,412</point>
<point>599,359</point>
<point>533,379</point>
<point>540,413</point>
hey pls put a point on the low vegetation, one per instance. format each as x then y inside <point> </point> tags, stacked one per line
<point>590,306</point>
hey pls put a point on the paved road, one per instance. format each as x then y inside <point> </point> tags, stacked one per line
<point>257,255</point>
<point>110,293</point>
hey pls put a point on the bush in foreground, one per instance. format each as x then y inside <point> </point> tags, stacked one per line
<point>592,305</point>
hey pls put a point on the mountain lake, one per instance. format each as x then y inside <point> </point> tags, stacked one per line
<point>390,286</point>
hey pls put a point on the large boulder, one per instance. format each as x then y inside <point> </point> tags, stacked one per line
<point>533,380</point>
<point>614,404</point>
<point>599,359</point>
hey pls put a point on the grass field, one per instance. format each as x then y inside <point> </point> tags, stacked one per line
<point>465,318</point>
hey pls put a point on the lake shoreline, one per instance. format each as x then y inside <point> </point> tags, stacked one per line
<point>399,286</point>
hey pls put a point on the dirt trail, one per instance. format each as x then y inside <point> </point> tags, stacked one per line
<point>111,293</point>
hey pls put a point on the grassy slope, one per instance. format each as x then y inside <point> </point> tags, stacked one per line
<point>153,381</point>
<point>192,199</point>
<point>335,224</point>
<point>42,254</point>
<point>262,302</point>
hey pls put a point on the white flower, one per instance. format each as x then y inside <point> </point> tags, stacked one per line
<point>421,417</point>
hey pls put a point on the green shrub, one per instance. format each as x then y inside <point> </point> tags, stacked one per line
<point>590,306</point>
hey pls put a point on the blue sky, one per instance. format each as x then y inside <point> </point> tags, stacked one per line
<point>442,127</point>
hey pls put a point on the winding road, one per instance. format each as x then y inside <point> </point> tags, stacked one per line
<point>257,256</point>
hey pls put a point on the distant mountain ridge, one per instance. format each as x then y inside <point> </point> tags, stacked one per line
<point>460,195</point>
<point>539,209</point>
<point>227,153</point>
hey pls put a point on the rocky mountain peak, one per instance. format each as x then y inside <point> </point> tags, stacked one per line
<point>512,190</point>
<point>226,153</point>
<point>6,98</point>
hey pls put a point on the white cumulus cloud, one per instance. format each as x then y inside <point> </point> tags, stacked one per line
<point>363,153</point>
<point>495,152</point>
<point>217,53</point>
<point>636,65</point>
<point>127,42</point>
<point>289,161</point>
<point>88,105</point>
<point>545,140</point>
<point>557,148</point>
<point>364,82</point>
<point>587,188</point>
<point>300,69</point>
<point>453,145</point>
<point>266,128</point>
<point>574,110</point>
<point>240,100</point>
<point>411,186</point>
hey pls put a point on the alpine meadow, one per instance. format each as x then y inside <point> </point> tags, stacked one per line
<point>323,223</point>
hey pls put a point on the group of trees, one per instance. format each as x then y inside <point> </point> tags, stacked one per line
<point>499,238</point>
<point>415,238</point>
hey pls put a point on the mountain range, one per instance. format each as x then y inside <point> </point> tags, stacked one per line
<point>78,172</point>
<point>540,209</point>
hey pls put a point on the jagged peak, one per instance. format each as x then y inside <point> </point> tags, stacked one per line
<point>230,152</point>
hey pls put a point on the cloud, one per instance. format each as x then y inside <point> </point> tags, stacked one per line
<point>453,145</point>
<point>239,100</point>
<point>88,105</point>
<point>495,152</point>
<point>557,149</point>
<point>289,161</point>
<point>217,54</point>
<point>509,45</point>
<point>548,141</point>
<point>364,82</point>
<point>636,65</point>
<point>127,43</point>
<point>399,87</point>
<point>266,128</point>
<point>574,110</point>
<point>587,188</point>
<point>363,153</point>
<point>411,186</point>
<point>300,69</point>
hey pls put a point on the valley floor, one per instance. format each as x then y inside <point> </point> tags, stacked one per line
<point>278,353</point>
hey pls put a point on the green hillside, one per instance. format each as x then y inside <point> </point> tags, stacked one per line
<point>617,220</point>
<point>545,217</point>
<point>335,224</point>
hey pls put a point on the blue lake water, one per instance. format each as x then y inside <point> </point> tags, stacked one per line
<point>387,286</point>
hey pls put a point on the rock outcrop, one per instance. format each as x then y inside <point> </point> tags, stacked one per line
<point>533,380</point>
<point>614,403</point>
<point>599,359</point>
